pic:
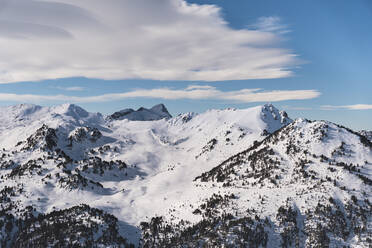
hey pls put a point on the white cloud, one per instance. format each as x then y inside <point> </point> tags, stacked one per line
<point>193,87</point>
<point>270,24</point>
<point>348,107</point>
<point>287,107</point>
<point>111,39</point>
<point>194,92</point>
<point>73,88</point>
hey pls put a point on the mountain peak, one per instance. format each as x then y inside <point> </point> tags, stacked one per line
<point>268,105</point>
<point>161,109</point>
<point>274,118</point>
<point>157,112</point>
<point>75,114</point>
<point>72,110</point>
<point>22,110</point>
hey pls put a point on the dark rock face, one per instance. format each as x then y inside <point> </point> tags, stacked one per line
<point>161,110</point>
<point>157,112</point>
<point>121,113</point>
<point>29,168</point>
<point>79,226</point>
<point>367,134</point>
<point>44,137</point>
<point>82,134</point>
<point>212,232</point>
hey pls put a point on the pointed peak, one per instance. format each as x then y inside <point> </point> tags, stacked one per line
<point>274,118</point>
<point>142,109</point>
<point>159,106</point>
<point>157,112</point>
<point>70,106</point>
<point>160,109</point>
<point>269,107</point>
<point>71,110</point>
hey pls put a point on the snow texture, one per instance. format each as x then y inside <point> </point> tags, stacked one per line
<point>155,180</point>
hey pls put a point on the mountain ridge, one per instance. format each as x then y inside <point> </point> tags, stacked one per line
<point>157,112</point>
<point>252,172</point>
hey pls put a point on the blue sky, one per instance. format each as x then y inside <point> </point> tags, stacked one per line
<point>317,54</point>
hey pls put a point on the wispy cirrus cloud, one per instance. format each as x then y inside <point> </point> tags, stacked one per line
<point>288,107</point>
<point>195,92</point>
<point>270,24</point>
<point>73,88</point>
<point>347,107</point>
<point>161,40</point>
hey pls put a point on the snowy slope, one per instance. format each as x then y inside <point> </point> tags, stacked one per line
<point>57,158</point>
<point>20,121</point>
<point>309,178</point>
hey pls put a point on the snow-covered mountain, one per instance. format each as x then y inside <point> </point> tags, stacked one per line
<point>234,177</point>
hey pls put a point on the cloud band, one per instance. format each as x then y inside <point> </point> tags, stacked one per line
<point>193,92</point>
<point>348,107</point>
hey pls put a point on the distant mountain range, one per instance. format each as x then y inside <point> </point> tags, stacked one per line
<point>142,178</point>
<point>157,112</point>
